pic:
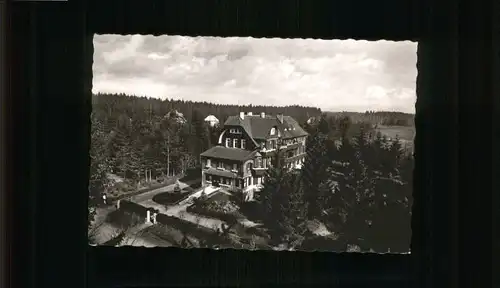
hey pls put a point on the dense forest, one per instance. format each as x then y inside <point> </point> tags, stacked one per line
<point>377,117</point>
<point>359,188</point>
<point>356,181</point>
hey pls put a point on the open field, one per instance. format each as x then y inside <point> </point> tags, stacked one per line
<point>403,132</point>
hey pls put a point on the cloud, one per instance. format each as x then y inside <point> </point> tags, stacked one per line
<point>330,74</point>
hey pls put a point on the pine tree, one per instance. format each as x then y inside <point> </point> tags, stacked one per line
<point>296,213</point>
<point>323,126</point>
<point>98,180</point>
<point>273,200</point>
<point>199,134</point>
<point>98,165</point>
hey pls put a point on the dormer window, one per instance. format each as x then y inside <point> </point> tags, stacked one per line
<point>243,144</point>
<point>273,131</point>
<point>235,131</point>
<point>228,142</point>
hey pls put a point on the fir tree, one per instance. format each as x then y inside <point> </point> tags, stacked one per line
<point>273,200</point>
<point>295,220</point>
<point>98,181</point>
<point>315,175</point>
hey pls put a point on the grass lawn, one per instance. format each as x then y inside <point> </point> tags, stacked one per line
<point>171,198</point>
<point>404,132</point>
<point>130,188</point>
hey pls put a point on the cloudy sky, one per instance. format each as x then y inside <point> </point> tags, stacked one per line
<point>334,75</point>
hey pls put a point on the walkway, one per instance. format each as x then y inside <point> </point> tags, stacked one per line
<point>150,194</point>
<point>179,211</point>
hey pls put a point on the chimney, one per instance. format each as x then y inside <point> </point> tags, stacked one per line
<point>280,117</point>
<point>263,114</point>
<point>249,113</point>
<point>242,115</point>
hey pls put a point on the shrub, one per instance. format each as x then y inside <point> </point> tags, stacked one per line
<point>195,230</point>
<point>228,218</point>
<point>168,198</point>
<point>133,207</point>
<point>257,232</point>
<point>251,210</point>
<point>124,219</point>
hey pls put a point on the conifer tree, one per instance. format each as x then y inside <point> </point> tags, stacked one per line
<point>316,175</point>
<point>274,198</point>
<point>98,180</point>
<point>296,211</point>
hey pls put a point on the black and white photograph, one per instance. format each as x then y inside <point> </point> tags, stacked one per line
<point>252,143</point>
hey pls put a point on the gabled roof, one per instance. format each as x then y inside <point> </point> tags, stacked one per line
<point>228,153</point>
<point>259,128</point>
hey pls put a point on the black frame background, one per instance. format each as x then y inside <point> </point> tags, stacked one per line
<point>49,56</point>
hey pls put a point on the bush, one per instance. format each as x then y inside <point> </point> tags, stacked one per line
<point>257,232</point>
<point>228,218</point>
<point>195,185</point>
<point>133,208</point>
<point>168,198</point>
<point>197,231</point>
<point>251,210</point>
<point>124,219</point>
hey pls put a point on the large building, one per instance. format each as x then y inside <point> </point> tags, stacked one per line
<point>246,148</point>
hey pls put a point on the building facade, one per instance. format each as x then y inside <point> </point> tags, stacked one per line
<point>246,148</point>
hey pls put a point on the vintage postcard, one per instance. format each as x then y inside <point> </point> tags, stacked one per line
<point>245,143</point>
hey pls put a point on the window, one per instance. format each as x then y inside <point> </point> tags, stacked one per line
<point>273,131</point>
<point>235,131</point>
<point>234,143</point>
<point>243,144</point>
<point>209,163</point>
<point>235,166</point>
<point>228,142</point>
<point>221,164</point>
<point>258,163</point>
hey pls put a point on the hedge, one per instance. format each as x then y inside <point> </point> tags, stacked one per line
<point>135,208</point>
<point>168,198</point>
<point>135,192</point>
<point>197,231</point>
<point>228,218</point>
